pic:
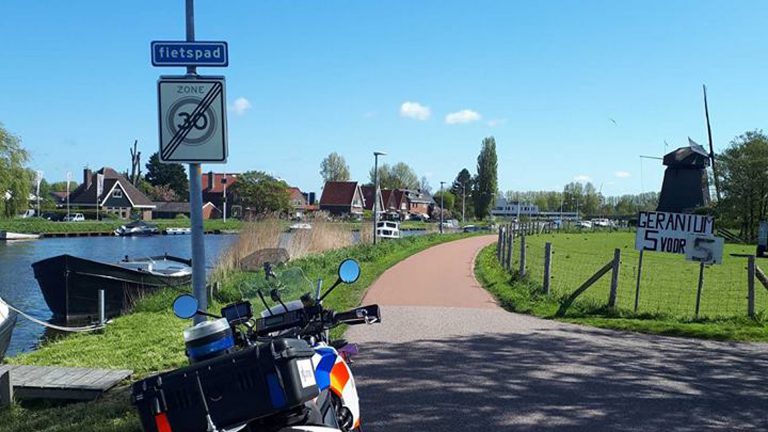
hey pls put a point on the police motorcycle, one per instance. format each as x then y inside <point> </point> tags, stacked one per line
<point>279,372</point>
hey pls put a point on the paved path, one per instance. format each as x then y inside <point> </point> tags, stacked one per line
<point>446,358</point>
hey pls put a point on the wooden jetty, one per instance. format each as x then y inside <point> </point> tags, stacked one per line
<point>63,383</point>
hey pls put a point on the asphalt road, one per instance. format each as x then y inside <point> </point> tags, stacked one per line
<point>446,358</point>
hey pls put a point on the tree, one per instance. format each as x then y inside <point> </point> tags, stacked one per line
<point>162,193</point>
<point>397,176</point>
<point>487,178</point>
<point>14,178</point>
<point>424,185</point>
<point>261,193</point>
<point>743,172</point>
<point>462,190</point>
<point>61,186</point>
<point>334,168</point>
<point>449,199</point>
<point>173,175</point>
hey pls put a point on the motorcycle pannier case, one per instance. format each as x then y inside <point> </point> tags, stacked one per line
<point>252,383</point>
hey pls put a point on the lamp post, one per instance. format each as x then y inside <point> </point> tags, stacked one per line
<point>442,208</point>
<point>376,155</point>
<point>463,200</point>
<point>69,179</point>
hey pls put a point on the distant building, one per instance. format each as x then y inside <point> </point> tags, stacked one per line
<point>215,187</point>
<point>368,198</point>
<point>342,198</point>
<point>506,208</point>
<point>173,209</point>
<point>116,196</point>
<point>418,202</point>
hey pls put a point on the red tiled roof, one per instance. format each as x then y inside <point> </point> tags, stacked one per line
<point>296,193</point>
<point>338,193</point>
<point>218,181</point>
<point>368,196</point>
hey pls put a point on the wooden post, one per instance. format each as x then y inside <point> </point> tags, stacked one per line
<point>498,244</point>
<point>701,286</point>
<point>639,275</point>
<point>761,276</point>
<point>510,246</point>
<point>580,290</point>
<point>614,278</point>
<point>102,307</point>
<point>547,266</point>
<point>751,286</point>
<point>522,256</point>
<point>6,389</point>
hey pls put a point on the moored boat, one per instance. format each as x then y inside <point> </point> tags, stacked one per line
<point>70,285</point>
<point>136,229</point>
<point>7,322</point>
<point>178,231</point>
<point>12,236</point>
<point>388,230</point>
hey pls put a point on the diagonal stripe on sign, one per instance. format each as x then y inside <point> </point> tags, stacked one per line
<point>183,131</point>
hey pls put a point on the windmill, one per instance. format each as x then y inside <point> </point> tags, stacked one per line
<point>711,147</point>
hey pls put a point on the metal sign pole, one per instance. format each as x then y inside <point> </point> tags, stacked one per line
<point>196,199</point>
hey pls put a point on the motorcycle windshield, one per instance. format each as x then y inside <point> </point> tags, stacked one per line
<point>290,283</point>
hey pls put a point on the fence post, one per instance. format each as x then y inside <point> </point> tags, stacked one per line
<point>498,244</point>
<point>522,256</point>
<point>510,248</point>
<point>639,274</point>
<point>547,266</point>
<point>614,278</point>
<point>701,286</point>
<point>102,308</point>
<point>751,286</point>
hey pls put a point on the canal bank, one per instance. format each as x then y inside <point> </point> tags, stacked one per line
<point>150,340</point>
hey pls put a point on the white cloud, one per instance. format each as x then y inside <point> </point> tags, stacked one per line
<point>415,111</point>
<point>463,116</point>
<point>241,105</point>
<point>496,122</point>
<point>622,174</point>
<point>583,178</point>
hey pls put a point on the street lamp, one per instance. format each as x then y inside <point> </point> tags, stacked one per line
<point>224,182</point>
<point>463,200</point>
<point>376,155</point>
<point>442,206</point>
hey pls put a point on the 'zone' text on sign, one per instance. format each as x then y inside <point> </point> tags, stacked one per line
<point>667,232</point>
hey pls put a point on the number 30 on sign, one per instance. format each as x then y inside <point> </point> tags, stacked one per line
<point>193,119</point>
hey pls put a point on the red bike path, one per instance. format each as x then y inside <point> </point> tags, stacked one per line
<point>447,358</point>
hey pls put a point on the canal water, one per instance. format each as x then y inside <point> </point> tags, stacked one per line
<point>18,285</point>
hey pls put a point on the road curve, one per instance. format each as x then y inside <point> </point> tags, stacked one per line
<point>446,358</point>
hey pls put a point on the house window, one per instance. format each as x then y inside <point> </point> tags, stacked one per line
<point>117,193</point>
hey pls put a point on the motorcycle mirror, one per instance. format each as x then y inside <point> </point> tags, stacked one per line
<point>185,306</point>
<point>349,271</point>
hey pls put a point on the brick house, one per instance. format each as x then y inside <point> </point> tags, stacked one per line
<point>172,209</point>
<point>418,202</point>
<point>298,202</point>
<point>368,198</point>
<point>118,196</point>
<point>342,199</point>
<point>214,191</point>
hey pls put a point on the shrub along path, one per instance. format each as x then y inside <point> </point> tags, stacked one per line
<point>445,358</point>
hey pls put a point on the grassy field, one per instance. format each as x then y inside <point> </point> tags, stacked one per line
<point>150,339</point>
<point>39,226</point>
<point>667,293</point>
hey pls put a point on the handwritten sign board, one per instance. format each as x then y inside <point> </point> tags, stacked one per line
<point>704,249</point>
<point>668,232</point>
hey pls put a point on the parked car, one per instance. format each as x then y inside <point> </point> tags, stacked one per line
<point>602,223</point>
<point>471,228</point>
<point>77,217</point>
<point>584,224</point>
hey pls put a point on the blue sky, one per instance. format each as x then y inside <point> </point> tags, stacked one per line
<point>570,89</point>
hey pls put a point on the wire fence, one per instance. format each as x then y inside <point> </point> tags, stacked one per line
<point>667,284</point>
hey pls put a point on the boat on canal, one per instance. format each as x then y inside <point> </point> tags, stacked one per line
<point>137,229</point>
<point>70,284</point>
<point>12,236</point>
<point>7,322</point>
<point>388,230</point>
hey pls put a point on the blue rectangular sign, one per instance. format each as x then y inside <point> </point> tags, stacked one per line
<point>179,53</point>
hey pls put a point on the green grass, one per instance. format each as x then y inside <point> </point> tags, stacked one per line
<point>39,226</point>
<point>150,339</point>
<point>581,256</point>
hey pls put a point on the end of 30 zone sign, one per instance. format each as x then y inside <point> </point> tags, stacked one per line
<point>192,118</point>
